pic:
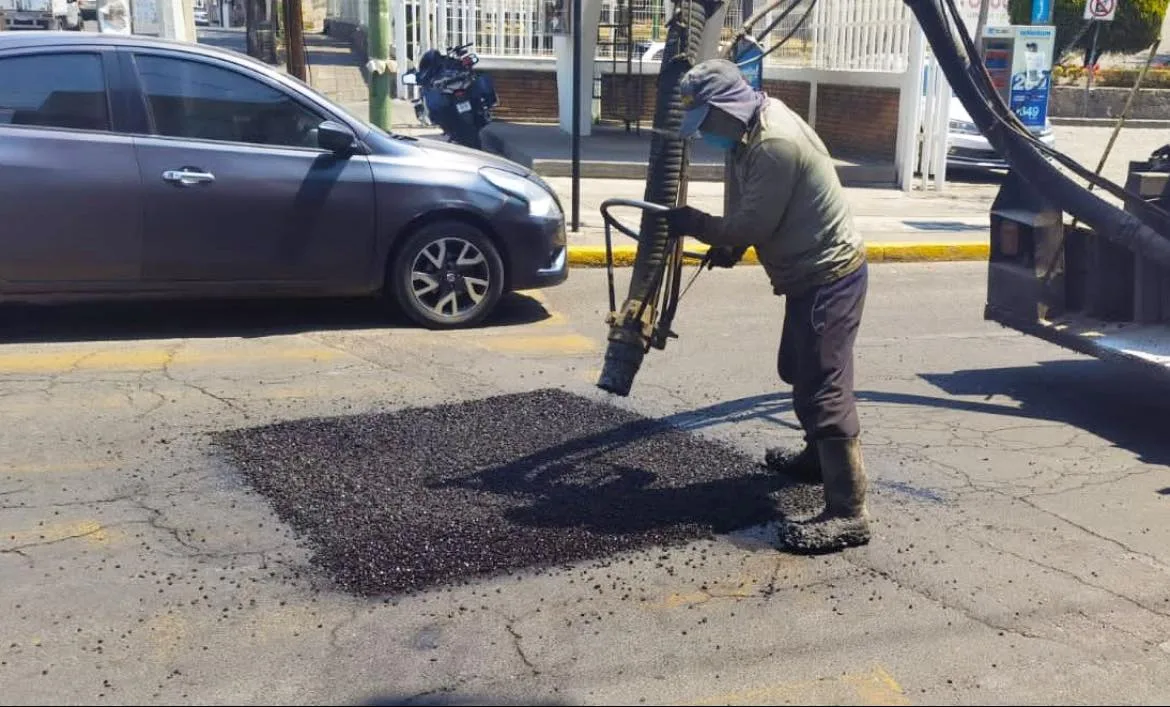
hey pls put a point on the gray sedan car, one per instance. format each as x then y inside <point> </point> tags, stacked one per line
<point>134,167</point>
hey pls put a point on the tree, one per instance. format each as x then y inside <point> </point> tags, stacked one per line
<point>1135,27</point>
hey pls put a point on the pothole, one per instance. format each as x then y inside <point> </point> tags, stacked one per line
<point>420,497</point>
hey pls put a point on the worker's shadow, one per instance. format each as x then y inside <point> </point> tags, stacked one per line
<point>617,493</point>
<point>1125,407</point>
<point>610,483</point>
<point>1122,406</point>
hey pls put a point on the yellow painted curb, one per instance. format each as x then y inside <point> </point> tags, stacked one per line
<point>592,256</point>
<point>927,252</point>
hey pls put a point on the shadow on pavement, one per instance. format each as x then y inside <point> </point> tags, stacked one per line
<point>976,176</point>
<point>445,697</point>
<point>1112,402</point>
<point>1116,404</point>
<point>214,318</point>
<point>968,175</point>
<point>710,485</point>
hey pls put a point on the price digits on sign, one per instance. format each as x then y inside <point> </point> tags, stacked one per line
<point>1028,112</point>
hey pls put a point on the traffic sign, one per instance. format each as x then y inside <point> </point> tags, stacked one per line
<point>1100,10</point>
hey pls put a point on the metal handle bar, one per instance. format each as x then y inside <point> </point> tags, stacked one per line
<point>632,203</point>
<point>611,220</point>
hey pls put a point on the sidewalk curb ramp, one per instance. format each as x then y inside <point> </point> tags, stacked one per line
<point>594,256</point>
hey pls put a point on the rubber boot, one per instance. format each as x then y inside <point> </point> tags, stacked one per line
<point>845,520</point>
<point>803,466</point>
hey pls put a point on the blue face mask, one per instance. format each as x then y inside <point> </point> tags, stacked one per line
<point>718,141</point>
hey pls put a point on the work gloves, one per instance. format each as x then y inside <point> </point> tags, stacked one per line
<point>689,221</point>
<point>686,221</point>
<point>723,256</point>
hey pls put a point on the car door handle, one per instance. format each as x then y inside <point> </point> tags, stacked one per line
<point>187,177</point>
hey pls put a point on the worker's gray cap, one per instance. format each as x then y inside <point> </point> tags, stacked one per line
<point>719,83</point>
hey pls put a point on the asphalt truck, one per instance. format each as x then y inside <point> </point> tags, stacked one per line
<point>1065,264</point>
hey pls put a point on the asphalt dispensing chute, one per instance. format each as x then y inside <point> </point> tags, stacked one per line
<point>644,319</point>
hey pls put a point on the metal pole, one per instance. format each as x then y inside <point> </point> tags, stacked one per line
<point>576,137</point>
<point>294,24</point>
<point>379,51</point>
<point>1090,61</point>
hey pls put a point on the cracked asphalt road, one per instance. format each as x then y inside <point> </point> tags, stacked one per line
<point>1020,495</point>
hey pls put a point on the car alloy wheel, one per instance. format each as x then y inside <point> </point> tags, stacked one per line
<point>450,277</point>
<point>449,274</point>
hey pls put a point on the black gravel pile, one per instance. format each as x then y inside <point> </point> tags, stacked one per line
<point>426,496</point>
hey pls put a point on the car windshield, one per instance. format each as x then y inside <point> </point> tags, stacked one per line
<point>365,120</point>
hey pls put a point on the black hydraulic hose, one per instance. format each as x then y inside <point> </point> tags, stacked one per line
<point>1104,218</point>
<point>794,30</point>
<point>792,5</point>
<point>632,326</point>
<point>761,13</point>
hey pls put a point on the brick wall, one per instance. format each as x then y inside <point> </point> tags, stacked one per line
<point>617,90</point>
<point>858,121</point>
<point>526,96</point>
<point>622,96</point>
<point>853,121</point>
<point>793,93</point>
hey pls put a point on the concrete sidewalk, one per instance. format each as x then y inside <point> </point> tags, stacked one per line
<point>896,225</point>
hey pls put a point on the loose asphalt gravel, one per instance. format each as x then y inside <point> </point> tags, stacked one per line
<point>407,500</point>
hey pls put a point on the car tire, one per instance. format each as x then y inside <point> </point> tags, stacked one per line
<point>447,275</point>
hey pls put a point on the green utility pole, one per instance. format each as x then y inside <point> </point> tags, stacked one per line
<point>379,50</point>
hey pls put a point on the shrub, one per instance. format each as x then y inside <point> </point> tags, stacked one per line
<point>1135,27</point>
<point>1125,78</point>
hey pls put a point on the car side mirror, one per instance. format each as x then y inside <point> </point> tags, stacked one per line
<point>336,138</point>
<point>409,79</point>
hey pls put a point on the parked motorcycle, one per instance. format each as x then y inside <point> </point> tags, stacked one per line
<point>452,94</point>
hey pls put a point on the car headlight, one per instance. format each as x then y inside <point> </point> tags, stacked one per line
<point>962,126</point>
<point>540,203</point>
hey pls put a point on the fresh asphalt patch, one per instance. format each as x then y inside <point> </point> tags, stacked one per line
<point>421,497</point>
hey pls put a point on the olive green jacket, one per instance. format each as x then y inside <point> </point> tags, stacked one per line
<point>784,198</point>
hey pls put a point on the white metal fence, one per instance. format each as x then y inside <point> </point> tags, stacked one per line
<point>860,35</point>
<point>514,28</point>
<point>847,35</point>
